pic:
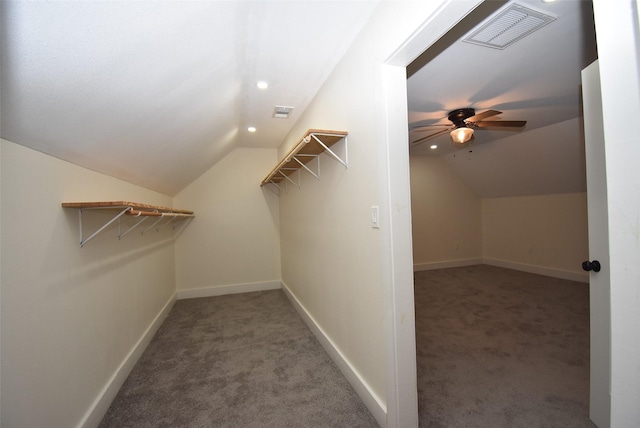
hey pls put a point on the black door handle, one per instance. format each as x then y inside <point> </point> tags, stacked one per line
<point>594,266</point>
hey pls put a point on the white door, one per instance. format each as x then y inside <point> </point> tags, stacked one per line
<point>600,400</point>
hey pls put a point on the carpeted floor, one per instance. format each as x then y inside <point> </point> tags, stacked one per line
<point>495,348</point>
<point>243,360</point>
<point>501,348</point>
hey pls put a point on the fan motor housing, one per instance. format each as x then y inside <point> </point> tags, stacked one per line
<point>457,117</point>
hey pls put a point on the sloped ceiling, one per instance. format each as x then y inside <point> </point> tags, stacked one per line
<point>156,92</point>
<point>536,79</point>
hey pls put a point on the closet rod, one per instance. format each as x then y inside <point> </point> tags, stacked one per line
<point>138,213</point>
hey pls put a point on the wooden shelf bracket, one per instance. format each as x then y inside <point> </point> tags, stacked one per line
<point>309,148</point>
<point>127,208</point>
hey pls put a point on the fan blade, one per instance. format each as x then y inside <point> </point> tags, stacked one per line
<point>501,124</point>
<point>482,115</point>
<point>428,137</point>
<point>420,128</point>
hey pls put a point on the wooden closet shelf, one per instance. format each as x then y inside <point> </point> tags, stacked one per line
<point>313,143</point>
<point>123,205</point>
<point>133,209</point>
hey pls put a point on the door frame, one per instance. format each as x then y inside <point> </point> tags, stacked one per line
<point>620,71</point>
<point>618,38</point>
<point>402,389</point>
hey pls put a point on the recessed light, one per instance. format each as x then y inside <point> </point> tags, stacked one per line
<point>433,146</point>
<point>251,129</point>
<point>262,84</point>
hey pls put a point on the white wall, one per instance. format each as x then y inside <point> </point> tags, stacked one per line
<point>233,244</point>
<point>331,255</point>
<point>544,234</point>
<point>71,315</point>
<point>452,226</point>
<point>333,261</point>
<point>446,216</point>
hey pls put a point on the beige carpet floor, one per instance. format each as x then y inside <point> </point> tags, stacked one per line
<point>241,361</point>
<point>499,348</point>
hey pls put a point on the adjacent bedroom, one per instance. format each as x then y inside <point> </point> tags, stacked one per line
<point>499,218</point>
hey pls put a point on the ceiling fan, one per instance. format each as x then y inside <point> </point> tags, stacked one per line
<point>464,120</point>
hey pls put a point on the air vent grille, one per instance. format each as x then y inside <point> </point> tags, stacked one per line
<point>282,112</point>
<point>509,26</point>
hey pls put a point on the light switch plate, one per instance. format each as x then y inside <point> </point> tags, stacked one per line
<point>375,217</point>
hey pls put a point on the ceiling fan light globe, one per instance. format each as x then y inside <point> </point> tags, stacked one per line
<point>461,135</point>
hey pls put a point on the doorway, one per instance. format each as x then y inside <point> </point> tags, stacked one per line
<point>463,251</point>
<point>617,46</point>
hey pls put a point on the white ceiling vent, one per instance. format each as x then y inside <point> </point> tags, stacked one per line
<point>509,26</point>
<point>282,112</point>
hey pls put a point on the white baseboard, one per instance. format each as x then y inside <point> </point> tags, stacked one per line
<point>446,264</point>
<point>221,290</point>
<point>540,270</point>
<point>100,406</point>
<point>368,397</point>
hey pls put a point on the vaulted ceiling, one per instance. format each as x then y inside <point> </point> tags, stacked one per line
<point>156,92</point>
<point>537,79</point>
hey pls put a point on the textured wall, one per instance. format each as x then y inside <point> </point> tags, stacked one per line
<point>546,234</point>
<point>547,231</point>
<point>333,261</point>
<point>446,214</point>
<point>234,238</point>
<point>70,315</point>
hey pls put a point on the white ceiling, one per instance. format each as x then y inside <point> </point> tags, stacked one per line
<point>156,92</point>
<point>536,79</point>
